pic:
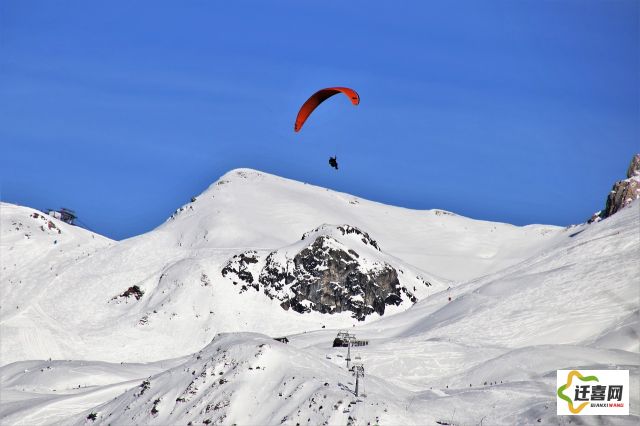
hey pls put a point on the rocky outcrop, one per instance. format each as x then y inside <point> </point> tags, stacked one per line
<point>329,279</point>
<point>623,192</point>
<point>328,274</point>
<point>239,266</point>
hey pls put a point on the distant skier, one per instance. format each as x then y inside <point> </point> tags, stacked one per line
<point>333,162</point>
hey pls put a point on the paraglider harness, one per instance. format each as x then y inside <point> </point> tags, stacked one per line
<point>333,162</point>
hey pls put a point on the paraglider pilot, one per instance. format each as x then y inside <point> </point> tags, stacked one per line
<point>333,162</point>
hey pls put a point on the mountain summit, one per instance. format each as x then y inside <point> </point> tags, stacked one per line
<point>251,247</point>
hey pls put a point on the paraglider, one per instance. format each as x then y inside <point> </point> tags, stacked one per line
<point>333,162</point>
<point>316,99</point>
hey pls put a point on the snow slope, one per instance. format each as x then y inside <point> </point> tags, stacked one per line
<point>34,250</point>
<point>565,299</point>
<point>84,315</point>
<point>48,392</point>
<point>574,305</point>
<point>250,209</point>
<point>245,378</point>
<point>572,292</point>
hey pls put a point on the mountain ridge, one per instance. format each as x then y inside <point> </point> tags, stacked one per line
<point>175,270</point>
<point>487,345</point>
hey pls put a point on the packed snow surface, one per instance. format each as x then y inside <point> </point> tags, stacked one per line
<point>156,334</point>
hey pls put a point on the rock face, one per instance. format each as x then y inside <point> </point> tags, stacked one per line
<point>332,280</point>
<point>623,192</point>
<point>333,269</point>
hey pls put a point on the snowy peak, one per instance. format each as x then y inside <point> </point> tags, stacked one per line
<point>252,246</point>
<point>230,179</point>
<point>249,209</point>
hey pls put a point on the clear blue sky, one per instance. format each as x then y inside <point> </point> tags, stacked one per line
<point>515,111</point>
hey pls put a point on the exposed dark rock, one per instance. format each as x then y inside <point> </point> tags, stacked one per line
<point>333,281</point>
<point>623,192</point>
<point>325,276</point>
<point>238,268</point>
<point>634,167</point>
<point>134,291</point>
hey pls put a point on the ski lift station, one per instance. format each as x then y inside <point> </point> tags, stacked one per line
<point>343,338</point>
<point>65,215</point>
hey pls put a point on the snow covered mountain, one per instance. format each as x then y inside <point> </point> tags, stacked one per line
<point>250,209</point>
<point>168,292</point>
<point>497,310</point>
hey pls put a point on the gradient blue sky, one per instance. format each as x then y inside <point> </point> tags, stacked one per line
<point>515,111</point>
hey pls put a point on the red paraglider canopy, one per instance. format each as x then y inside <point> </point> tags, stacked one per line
<point>319,97</point>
